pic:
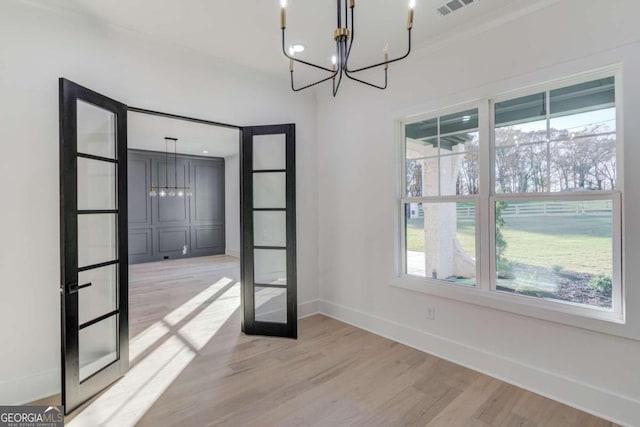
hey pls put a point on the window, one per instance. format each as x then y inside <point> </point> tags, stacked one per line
<point>441,167</point>
<point>517,197</point>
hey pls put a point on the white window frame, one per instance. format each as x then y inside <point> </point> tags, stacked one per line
<point>485,292</point>
<point>438,199</point>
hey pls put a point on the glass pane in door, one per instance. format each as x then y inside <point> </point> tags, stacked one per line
<point>269,190</point>
<point>98,346</point>
<point>96,184</point>
<point>269,152</point>
<point>269,228</point>
<point>101,297</point>
<point>271,304</point>
<point>96,130</point>
<point>270,266</point>
<point>96,239</point>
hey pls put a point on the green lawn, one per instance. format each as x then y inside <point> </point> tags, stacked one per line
<point>575,242</point>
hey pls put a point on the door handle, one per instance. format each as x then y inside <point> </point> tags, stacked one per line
<point>73,288</point>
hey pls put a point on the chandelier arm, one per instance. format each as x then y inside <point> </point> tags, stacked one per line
<point>312,84</point>
<point>385,62</point>
<point>367,83</point>
<point>284,51</point>
<point>336,87</point>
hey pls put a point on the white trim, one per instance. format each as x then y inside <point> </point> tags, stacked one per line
<point>441,199</point>
<point>600,402</point>
<point>592,319</point>
<point>401,258</point>
<point>308,308</point>
<point>485,174</point>
<point>232,252</point>
<point>401,191</point>
<point>23,390</point>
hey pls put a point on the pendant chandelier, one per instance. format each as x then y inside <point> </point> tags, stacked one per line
<point>343,36</point>
<point>167,190</point>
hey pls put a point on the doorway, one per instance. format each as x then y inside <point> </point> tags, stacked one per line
<point>94,153</point>
<point>183,222</point>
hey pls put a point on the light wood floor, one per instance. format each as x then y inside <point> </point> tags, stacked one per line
<point>193,367</point>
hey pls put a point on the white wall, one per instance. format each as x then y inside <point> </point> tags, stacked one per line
<point>359,206</point>
<point>36,47</point>
<point>232,205</point>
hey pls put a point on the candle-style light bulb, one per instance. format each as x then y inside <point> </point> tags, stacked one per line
<point>283,14</point>
<point>386,56</point>
<point>412,6</point>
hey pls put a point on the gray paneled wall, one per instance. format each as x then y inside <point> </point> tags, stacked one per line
<point>175,227</point>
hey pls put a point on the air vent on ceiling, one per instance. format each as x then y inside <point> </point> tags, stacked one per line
<point>452,6</point>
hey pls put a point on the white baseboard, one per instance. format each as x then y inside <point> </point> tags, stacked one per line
<point>603,403</point>
<point>232,252</point>
<point>308,308</point>
<point>20,391</point>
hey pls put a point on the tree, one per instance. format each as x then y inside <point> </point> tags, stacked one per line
<point>505,267</point>
<point>414,178</point>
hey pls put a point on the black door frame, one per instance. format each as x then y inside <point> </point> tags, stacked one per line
<point>250,326</point>
<point>74,392</point>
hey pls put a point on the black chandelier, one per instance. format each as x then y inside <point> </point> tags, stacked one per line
<point>344,36</point>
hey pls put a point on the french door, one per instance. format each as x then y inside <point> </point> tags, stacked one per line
<point>93,239</point>
<point>268,222</point>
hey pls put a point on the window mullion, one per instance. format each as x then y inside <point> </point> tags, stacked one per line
<point>547,107</point>
<point>483,224</point>
<point>401,261</point>
<point>439,162</point>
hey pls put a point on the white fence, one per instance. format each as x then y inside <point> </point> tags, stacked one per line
<point>545,208</point>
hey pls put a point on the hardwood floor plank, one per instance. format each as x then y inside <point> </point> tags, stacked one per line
<point>497,408</point>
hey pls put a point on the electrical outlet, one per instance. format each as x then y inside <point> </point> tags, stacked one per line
<point>431,313</point>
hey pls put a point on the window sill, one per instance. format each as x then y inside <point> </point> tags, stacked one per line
<point>604,321</point>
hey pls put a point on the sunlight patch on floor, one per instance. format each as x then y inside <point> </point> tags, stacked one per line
<point>126,402</point>
<point>141,342</point>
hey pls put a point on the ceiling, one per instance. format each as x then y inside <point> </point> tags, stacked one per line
<point>147,132</point>
<point>248,32</point>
